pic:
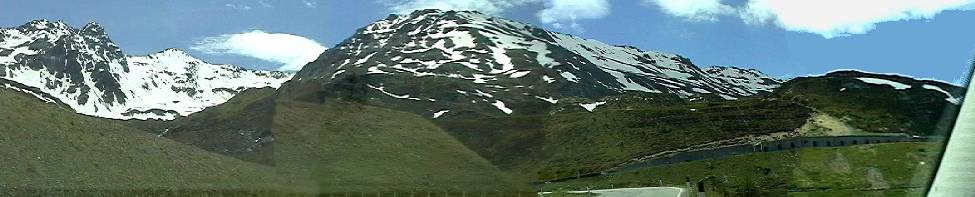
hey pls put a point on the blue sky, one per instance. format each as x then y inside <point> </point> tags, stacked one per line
<point>929,39</point>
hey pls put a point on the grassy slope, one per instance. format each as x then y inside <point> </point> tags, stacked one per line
<point>229,128</point>
<point>351,147</point>
<point>896,169</point>
<point>343,146</point>
<point>570,141</point>
<point>875,108</point>
<point>561,145</point>
<point>49,149</point>
<point>625,134</point>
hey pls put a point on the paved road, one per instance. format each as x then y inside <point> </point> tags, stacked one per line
<point>637,192</point>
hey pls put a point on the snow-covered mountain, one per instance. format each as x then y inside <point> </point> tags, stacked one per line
<point>446,60</point>
<point>86,71</point>
<point>745,80</point>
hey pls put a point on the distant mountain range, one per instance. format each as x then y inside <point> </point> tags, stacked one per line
<point>83,69</point>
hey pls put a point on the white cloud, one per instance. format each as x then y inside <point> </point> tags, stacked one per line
<point>265,4</point>
<point>829,18</point>
<point>484,6</point>
<point>696,10</point>
<point>310,4</point>
<point>562,13</point>
<point>290,51</point>
<point>237,6</point>
<point>832,18</point>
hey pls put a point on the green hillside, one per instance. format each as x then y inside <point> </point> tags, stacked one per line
<point>240,127</point>
<point>876,108</point>
<point>895,169</point>
<point>570,143</point>
<point>343,146</point>
<point>351,147</point>
<point>53,151</point>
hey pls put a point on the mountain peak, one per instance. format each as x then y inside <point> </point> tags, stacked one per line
<point>93,29</point>
<point>94,26</point>
<point>751,80</point>
<point>732,68</point>
<point>491,62</point>
<point>44,24</point>
<point>173,51</point>
<point>428,18</point>
<point>85,70</point>
<point>439,11</point>
<point>426,11</point>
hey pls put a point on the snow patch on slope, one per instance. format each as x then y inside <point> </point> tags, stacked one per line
<point>500,105</point>
<point>950,98</point>
<point>440,113</point>
<point>591,106</point>
<point>896,85</point>
<point>383,90</point>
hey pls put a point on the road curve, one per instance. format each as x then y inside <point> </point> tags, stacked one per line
<point>637,192</point>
